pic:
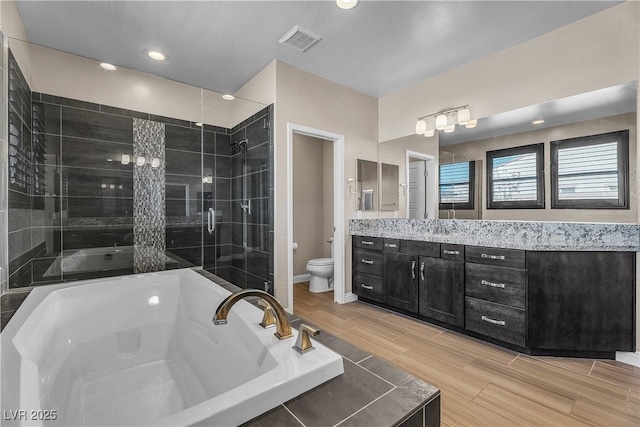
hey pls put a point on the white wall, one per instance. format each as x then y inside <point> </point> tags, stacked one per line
<point>599,51</point>
<point>327,197</point>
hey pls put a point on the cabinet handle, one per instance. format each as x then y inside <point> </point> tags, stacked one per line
<point>500,257</point>
<point>367,261</point>
<point>366,287</point>
<point>366,242</point>
<point>391,245</point>
<point>494,321</point>
<point>422,271</point>
<point>413,269</point>
<point>492,284</point>
<point>451,252</point>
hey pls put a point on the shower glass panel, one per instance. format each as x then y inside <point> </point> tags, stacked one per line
<point>113,173</point>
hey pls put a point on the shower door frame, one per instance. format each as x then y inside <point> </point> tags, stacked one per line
<point>339,285</point>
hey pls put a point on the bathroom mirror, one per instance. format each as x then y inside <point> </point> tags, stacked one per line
<point>367,179</point>
<point>390,184</point>
<point>597,112</point>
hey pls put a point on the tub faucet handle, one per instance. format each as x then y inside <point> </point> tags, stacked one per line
<point>303,343</point>
<point>268,319</point>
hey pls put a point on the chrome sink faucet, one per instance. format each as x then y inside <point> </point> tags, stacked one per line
<point>283,327</point>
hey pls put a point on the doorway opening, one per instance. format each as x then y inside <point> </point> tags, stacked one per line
<point>315,209</point>
<point>421,186</point>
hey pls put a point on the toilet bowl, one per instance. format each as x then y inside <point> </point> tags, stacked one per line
<point>321,271</point>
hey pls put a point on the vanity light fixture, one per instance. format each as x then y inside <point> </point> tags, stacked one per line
<point>158,56</point>
<point>155,162</point>
<point>228,97</point>
<point>445,120</point>
<point>107,66</point>
<point>109,160</point>
<point>125,159</point>
<point>347,4</point>
<point>199,124</point>
<point>140,161</point>
<point>207,179</point>
<point>103,185</point>
<point>112,186</point>
<point>537,122</point>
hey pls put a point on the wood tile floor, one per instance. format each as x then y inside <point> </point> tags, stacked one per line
<point>481,384</point>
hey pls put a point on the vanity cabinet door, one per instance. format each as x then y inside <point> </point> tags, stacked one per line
<point>401,281</point>
<point>442,290</point>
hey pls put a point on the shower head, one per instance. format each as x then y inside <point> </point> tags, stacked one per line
<point>239,147</point>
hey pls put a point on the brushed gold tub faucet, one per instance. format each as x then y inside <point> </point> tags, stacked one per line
<point>283,327</point>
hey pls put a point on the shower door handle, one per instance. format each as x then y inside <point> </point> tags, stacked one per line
<point>211,221</point>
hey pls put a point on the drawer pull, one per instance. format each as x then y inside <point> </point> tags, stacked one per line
<point>366,287</point>
<point>391,245</point>
<point>494,321</point>
<point>492,284</point>
<point>500,257</point>
<point>366,242</point>
<point>367,261</point>
<point>451,252</point>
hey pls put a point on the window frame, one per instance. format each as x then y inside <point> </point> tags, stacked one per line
<point>539,203</point>
<point>622,138</point>
<point>470,204</point>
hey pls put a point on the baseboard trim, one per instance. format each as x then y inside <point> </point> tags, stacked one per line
<point>629,358</point>
<point>350,297</point>
<point>301,278</point>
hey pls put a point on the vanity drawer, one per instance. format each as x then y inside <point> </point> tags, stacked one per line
<point>391,245</point>
<point>498,284</point>
<point>366,261</point>
<point>452,252</point>
<point>495,256</point>
<point>417,247</point>
<point>367,286</point>
<point>495,320</point>
<point>368,242</point>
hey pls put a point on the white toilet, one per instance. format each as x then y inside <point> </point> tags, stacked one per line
<point>321,271</point>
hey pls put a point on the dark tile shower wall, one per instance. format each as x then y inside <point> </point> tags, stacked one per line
<point>71,191</point>
<point>250,249</point>
<point>26,188</point>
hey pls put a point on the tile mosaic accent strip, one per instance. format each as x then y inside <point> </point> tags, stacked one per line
<point>149,195</point>
<point>533,236</point>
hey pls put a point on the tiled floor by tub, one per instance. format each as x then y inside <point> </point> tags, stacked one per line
<point>482,384</point>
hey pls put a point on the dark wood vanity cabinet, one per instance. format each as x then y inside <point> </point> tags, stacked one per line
<point>367,268</point>
<point>541,302</point>
<point>441,289</point>
<point>581,301</point>
<point>400,278</point>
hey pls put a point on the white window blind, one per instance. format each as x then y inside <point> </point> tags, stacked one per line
<point>515,177</point>
<point>454,183</point>
<point>588,172</point>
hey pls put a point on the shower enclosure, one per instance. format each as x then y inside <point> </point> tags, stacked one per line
<point>104,181</point>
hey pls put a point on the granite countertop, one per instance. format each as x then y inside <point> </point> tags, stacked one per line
<point>524,235</point>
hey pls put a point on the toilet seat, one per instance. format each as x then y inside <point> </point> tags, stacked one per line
<point>320,261</point>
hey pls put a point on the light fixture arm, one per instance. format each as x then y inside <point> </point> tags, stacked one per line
<point>449,112</point>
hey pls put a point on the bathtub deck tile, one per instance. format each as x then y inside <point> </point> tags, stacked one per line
<point>338,398</point>
<point>278,416</point>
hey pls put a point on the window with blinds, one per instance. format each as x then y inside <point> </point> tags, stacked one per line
<point>457,183</point>
<point>591,172</point>
<point>515,178</point>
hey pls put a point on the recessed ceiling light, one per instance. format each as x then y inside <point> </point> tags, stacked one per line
<point>107,66</point>
<point>537,122</point>
<point>346,4</point>
<point>228,97</point>
<point>158,56</point>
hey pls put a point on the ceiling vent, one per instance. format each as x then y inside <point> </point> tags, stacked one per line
<point>299,39</point>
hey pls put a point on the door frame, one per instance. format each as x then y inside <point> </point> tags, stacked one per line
<point>338,208</point>
<point>432,182</point>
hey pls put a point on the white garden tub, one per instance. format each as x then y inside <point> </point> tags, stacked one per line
<point>142,350</point>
